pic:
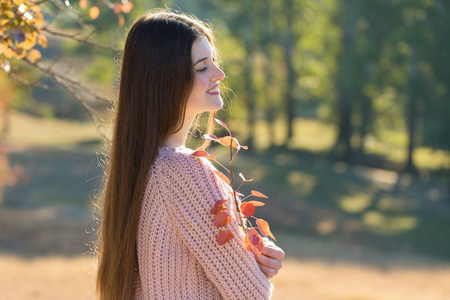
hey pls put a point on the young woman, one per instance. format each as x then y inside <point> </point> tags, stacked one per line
<point>157,238</point>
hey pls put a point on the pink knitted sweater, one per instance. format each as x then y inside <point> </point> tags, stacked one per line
<point>178,255</point>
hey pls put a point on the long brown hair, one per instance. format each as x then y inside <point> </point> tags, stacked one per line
<point>156,78</point>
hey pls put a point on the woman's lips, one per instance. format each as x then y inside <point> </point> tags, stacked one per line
<point>213,91</point>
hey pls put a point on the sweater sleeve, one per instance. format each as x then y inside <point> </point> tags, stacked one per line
<point>190,190</point>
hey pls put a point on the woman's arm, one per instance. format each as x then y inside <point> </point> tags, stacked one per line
<point>191,190</point>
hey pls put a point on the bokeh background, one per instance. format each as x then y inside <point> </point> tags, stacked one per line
<point>344,105</point>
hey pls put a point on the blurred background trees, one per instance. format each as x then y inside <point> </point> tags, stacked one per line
<point>373,70</point>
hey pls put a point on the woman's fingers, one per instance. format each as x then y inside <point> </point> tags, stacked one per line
<point>269,272</point>
<point>270,261</point>
<point>273,251</point>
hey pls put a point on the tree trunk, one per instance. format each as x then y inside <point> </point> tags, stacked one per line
<point>366,111</point>
<point>248,76</point>
<point>342,146</point>
<point>291,76</point>
<point>414,82</point>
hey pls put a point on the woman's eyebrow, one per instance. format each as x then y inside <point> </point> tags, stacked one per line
<point>200,60</point>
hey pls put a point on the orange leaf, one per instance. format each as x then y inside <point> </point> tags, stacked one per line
<point>83,4</point>
<point>200,153</point>
<point>220,123</point>
<point>224,236</point>
<point>222,176</point>
<point>258,194</point>
<point>257,203</point>
<point>42,40</point>
<point>264,228</point>
<point>34,55</point>
<point>222,219</point>
<point>94,12</point>
<point>244,147</point>
<point>228,140</point>
<point>247,209</point>
<point>126,7</point>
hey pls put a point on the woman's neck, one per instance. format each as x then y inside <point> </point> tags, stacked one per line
<point>178,139</point>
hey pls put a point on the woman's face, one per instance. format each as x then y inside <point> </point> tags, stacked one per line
<point>205,95</point>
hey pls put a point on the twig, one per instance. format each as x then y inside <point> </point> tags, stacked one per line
<point>73,86</point>
<point>39,2</point>
<point>28,83</point>
<point>232,182</point>
<point>70,14</point>
<point>81,40</point>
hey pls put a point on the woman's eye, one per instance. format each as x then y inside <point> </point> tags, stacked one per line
<point>202,69</point>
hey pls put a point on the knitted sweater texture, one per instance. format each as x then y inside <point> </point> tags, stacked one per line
<point>178,255</point>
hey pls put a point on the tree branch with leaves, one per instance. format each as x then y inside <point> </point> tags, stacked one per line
<point>245,210</point>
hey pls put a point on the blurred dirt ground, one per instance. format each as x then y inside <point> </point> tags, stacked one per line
<point>314,269</point>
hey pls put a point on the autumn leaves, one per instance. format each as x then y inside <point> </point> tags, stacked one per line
<point>253,241</point>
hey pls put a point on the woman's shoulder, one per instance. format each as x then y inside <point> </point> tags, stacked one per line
<point>180,158</point>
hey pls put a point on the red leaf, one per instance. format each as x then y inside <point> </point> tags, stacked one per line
<point>203,153</point>
<point>252,239</point>
<point>210,137</point>
<point>258,194</point>
<point>217,209</point>
<point>257,203</point>
<point>247,209</point>
<point>258,249</point>
<point>200,153</point>
<point>253,242</point>
<point>220,123</point>
<point>222,176</point>
<point>224,236</point>
<point>222,219</point>
<point>218,206</point>
<point>264,228</point>
<point>220,202</point>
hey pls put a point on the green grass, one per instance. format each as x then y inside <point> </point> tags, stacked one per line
<point>30,131</point>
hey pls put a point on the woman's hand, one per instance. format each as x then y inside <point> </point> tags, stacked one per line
<point>270,261</point>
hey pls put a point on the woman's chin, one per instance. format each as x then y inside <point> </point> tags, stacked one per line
<point>217,104</point>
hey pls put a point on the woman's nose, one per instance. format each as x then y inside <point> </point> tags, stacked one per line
<point>218,75</point>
